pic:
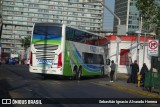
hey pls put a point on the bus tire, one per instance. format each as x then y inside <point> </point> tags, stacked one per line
<point>102,72</point>
<point>79,73</point>
<point>75,70</point>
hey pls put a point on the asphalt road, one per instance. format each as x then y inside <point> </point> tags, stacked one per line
<point>17,82</point>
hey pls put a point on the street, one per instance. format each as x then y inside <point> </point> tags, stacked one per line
<point>17,82</point>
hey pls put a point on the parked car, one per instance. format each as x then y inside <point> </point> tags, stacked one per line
<point>12,61</point>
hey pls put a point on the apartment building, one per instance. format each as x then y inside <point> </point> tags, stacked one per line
<point>19,16</point>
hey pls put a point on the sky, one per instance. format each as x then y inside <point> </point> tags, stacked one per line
<point>108,17</point>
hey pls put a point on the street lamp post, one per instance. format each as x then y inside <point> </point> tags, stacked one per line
<point>117,54</point>
<point>117,40</point>
<point>119,20</point>
<point>96,1</point>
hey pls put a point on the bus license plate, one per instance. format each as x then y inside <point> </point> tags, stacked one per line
<point>44,61</point>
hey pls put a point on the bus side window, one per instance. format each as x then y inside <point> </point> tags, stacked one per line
<point>70,34</point>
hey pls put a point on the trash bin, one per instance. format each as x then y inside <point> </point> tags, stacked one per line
<point>152,81</point>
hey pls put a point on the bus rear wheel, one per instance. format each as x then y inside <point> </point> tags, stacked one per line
<point>79,73</point>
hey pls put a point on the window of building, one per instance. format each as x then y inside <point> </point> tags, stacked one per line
<point>124,60</point>
<point>131,3</point>
<point>130,22</point>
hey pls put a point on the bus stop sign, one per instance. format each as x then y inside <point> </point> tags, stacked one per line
<point>153,47</point>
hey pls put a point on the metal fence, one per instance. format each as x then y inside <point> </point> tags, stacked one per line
<point>152,81</point>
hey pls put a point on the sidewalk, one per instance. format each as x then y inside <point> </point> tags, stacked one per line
<point>121,84</point>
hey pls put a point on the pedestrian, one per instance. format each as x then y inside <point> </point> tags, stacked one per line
<point>113,67</point>
<point>134,71</point>
<point>144,69</point>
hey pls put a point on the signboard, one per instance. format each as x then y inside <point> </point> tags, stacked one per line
<point>153,47</point>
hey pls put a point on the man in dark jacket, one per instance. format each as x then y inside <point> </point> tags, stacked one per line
<point>135,70</point>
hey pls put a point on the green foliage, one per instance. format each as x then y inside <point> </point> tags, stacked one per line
<point>145,6</point>
<point>150,12</point>
<point>26,42</point>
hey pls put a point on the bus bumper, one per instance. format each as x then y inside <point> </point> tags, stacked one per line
<point>41,70</point>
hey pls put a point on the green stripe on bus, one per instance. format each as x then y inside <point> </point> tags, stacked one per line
<point>67,71</point>
<point>46,42</point>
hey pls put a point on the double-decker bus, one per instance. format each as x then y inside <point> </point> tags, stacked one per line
<point>63,50</point>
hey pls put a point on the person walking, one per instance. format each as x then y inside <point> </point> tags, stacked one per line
<point>113,68</point>
<point>134,71</point>
<point>144,69</point>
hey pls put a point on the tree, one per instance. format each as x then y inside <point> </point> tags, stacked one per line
<point>26,42</point>
<point>149,11</point>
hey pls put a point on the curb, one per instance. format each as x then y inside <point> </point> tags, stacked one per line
<point>134,91</point>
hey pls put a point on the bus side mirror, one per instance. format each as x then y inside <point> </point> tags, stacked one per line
<point>107,61</point>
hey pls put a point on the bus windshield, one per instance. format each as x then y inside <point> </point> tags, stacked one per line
<point>46,34</point>
<point>47,30</point>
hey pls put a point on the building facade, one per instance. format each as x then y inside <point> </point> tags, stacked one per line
<point>127,11</point>
<point>19,16</point>
<point>128,52</point>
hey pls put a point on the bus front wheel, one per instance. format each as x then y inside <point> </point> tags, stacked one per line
<point>102,72</point>
<point>75,70</point>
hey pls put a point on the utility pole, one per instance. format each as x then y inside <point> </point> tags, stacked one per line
<point>139,34</point>
<point>138,45</point>
<point>117,38</point>
<point>144,47</point>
